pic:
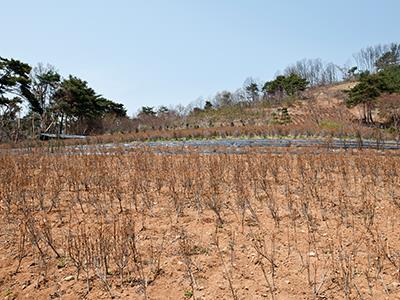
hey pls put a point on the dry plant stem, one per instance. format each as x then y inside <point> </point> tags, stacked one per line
<point>232,247</point>
<point>259,244</point>
<point>21,246</point>
<point>269,284</point>
<point>227,274</point>
<point>330,214</point>
<point>48,236</point>
<point>185,250</point>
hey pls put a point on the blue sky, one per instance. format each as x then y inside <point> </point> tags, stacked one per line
<point>162,52</point>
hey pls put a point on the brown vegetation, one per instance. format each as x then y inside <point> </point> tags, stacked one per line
<point>147,226</point>
<point>389,109</point>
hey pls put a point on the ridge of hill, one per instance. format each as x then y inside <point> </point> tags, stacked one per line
<point>315,105</point>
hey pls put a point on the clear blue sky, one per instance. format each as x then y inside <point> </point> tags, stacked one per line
<point>161,52</point>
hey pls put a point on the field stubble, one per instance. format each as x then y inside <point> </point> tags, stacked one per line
<point>140,225</point>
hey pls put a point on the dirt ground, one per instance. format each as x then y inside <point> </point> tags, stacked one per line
<point>254,226</point>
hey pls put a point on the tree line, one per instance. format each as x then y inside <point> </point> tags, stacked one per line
<point>375,68</point>
<point>295,78</point>
<point>59,105</point>
<point>54,104</point>
<point>381,78</point>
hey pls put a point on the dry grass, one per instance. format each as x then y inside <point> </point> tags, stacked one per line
<point>326,128</point>
<point>250,226</point>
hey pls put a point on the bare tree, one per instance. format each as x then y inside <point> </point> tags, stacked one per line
<point>239,96</point>
<point>367,58</point>
<point>223,98</point>
<point>45,81</point>
<point>251,89</point>
<point>314,71</point>
<point>330,74</point>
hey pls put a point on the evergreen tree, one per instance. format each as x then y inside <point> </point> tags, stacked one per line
<point>252,91</point>
<point>289,85</point>
<point>80,104</point>
<point>208,105</point>
<point>389,58</point>
<point>14,80</point>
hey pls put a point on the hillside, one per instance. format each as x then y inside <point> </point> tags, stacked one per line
<point>316,105</point>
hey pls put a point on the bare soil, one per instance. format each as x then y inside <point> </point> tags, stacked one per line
<point>254,226</point>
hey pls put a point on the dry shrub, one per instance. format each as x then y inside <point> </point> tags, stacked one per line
<point>322,220</point>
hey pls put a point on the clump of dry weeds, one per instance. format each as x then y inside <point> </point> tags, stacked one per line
<point>232,225</point>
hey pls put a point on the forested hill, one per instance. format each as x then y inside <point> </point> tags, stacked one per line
<point>308,97</point>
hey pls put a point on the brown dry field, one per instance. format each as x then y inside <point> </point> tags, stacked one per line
<point>226,226</point>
